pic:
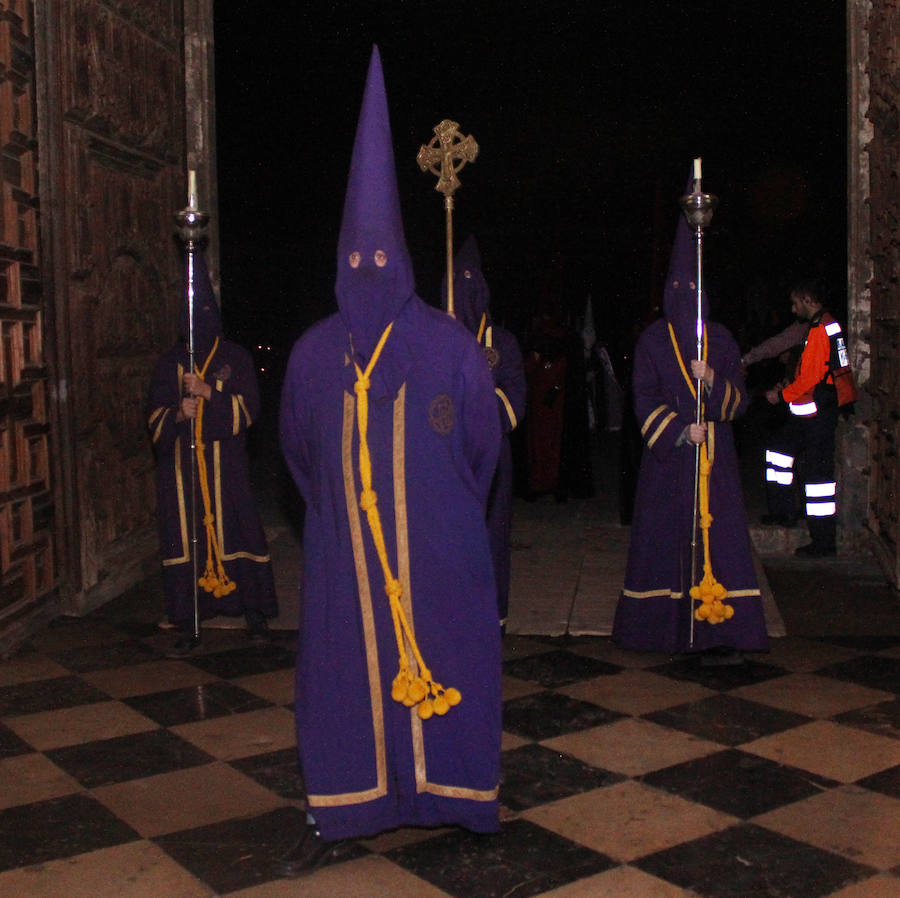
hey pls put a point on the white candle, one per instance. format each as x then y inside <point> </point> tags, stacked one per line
<point>697,174</point>
<point>192,189</point>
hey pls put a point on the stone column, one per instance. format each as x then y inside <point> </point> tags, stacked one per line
<point>853,434</point>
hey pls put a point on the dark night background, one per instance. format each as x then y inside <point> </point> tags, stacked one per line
<point>588,115</point>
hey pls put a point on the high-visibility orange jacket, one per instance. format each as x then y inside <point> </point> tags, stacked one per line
<point>813,367</point>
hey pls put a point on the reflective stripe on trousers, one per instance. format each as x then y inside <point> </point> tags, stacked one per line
<point>820,499</point>
<point>779,468</point>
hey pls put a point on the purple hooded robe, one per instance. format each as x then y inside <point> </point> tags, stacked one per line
<point>653,613</point>
<point>471,305</point>
<point>369,763</point>
<point>232,408</point>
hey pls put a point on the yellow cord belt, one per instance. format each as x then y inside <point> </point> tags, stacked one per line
<point>709,591</point>
<point>485,331</point>
<point>408,688</point>
<point>214,578</point>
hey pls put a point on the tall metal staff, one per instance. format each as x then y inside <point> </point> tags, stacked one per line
<point>192,231</point>
<point>698,208</point>
<point>446,153</point>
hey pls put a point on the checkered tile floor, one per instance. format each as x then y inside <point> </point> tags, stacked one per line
<point>123,773</point>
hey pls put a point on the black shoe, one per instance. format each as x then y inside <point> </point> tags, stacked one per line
<point>257,626</point>
<point>778,520</point>
<point>183,646</point>
<point>721,656</point>
<point>814,551</point>
<point>309,854</point>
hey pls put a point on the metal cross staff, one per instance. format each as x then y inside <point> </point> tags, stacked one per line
<point>191,229</point>
<point>445,154</point>
<point>698,208</point>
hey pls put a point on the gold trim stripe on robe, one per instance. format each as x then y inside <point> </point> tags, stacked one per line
<point>417,734</point>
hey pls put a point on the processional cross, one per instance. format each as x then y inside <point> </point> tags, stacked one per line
<point>444,155</point>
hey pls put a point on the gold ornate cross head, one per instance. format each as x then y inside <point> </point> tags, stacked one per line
<point>445,154</point>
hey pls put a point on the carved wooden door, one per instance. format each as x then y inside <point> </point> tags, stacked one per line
<point>27,570</point>
<point>93,143</point>
<point>116,161</point>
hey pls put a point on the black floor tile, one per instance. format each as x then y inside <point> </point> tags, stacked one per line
<point>193,703</point>
<point>882,719</point>
<point>522,646</point>
<point>137,612</point>
<point>871,643</point>
<point>66,629</point>
<point>533,775</point>
<point>559,668</point>
<point>727,719</point>
<point>748,860</point>
<point>11,744</point>
<point>547,714</point>
<point>48,695</point>
<point>240,853</point>
<point>737,783</point>
<point>688,667</point>
<point>106,655</point>
<point>58,828</point>
<point>109,761</point>
<point>522,860</point>
<point>886,781</point>
<point>243,662</point>
<point>138,629</point>
<point>278,771</point>
<point>874,671</point>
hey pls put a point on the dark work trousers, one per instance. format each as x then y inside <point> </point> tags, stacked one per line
<point>801,454</point>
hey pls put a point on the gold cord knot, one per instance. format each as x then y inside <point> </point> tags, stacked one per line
<point>368,499</point>
<point>393,589</point>
<point>362,384</point>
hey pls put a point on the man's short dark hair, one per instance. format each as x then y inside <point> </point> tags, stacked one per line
<point>808,290</point>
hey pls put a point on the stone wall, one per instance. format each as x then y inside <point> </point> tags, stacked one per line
<point>868,460</point>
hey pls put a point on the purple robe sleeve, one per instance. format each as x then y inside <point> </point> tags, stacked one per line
<point>728,398</point>
<point>234,404</point>
<point>162,406</point>
<point>659,419</point>
<point>292,424</point>
<point>481,424</point>
<point>509,380</point>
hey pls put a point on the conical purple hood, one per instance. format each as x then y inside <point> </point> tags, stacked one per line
<point>374,271</point>
<point>471,294</point>
<point>680,293</point>
<point>207,319</point>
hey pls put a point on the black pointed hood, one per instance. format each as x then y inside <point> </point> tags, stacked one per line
<point>680,293</point>
<point>207,318</point>
<point>471,294</point>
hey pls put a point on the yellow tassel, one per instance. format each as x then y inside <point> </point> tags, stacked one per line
<point>409,689</point>
<point>214,579</point>
<point>709,591</point>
